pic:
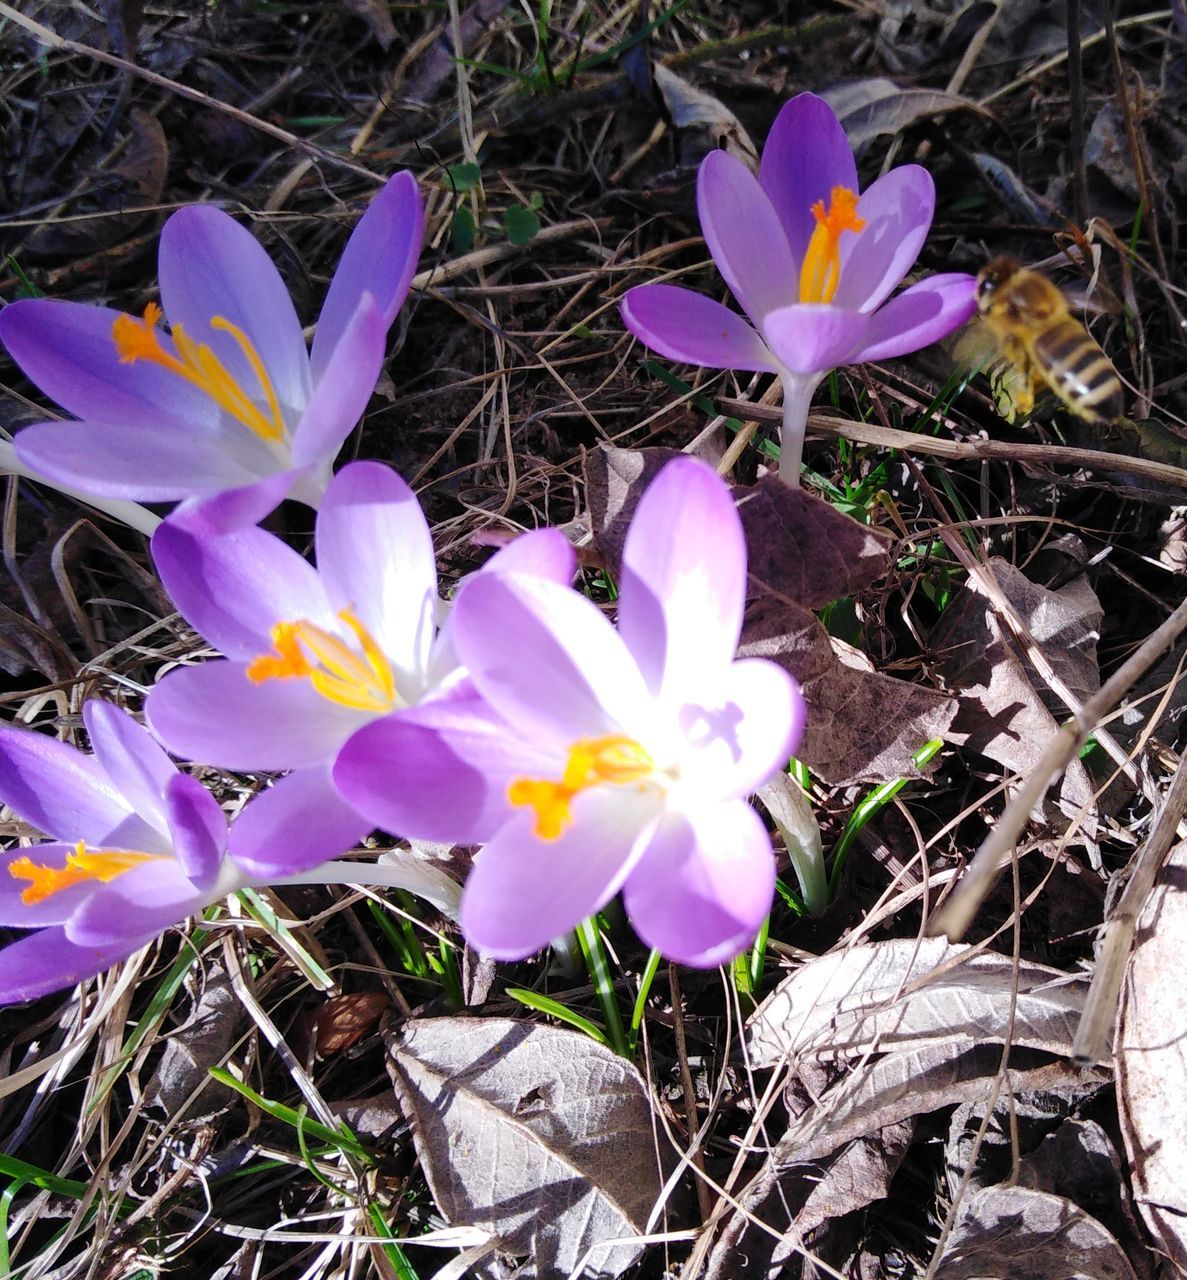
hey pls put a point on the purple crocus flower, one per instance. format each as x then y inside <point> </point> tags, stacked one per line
<point>811,263</point>
<point>229,402</point>
<point>593,759</point>
<point>313,654</point>
<point>135,847</point>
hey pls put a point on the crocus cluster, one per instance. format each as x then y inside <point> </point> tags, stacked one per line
<point>583,758</point>
<point>811,262</point>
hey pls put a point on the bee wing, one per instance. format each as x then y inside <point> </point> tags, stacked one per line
<point>976,350</point>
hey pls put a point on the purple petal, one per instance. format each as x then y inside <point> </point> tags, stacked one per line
<point>703,885</point>
<point>439,771</point>
<point>135,764</point>
<point>380,258</point>
<point>683,578</point>
<point>922,314</point>
<point>214,713</point>
<point>546,658</point>
<point>238,508</point>
<point>742,727</point>
<point>814,337</point>
<point>547,553</point>
<point>198,829</point>
<point>346,385</point>
<point>524,891</point>
<point>67,350</point>
<point>134,907</point>
<point>147,464</point>
<point>806,155</point>
<point>57,789</point>
<point>744,236</point>
<point>376,558</point>
<point>298,823</point>
<point>234,588</point>
<point>56,908</point>
<point>693,329</point>
<point>898,210</point>
<point>211,266</point>
<point>47,961</point>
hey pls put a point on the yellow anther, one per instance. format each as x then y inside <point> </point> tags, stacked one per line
<point>364,681</point>
<point>199,366</point>
<point>820,272</point>
<point>615,760</point>
<point>103,865</point>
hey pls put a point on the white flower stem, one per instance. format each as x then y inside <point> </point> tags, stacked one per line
<point>403,871</point>
<point>130,513</point>
<point>797,397</point>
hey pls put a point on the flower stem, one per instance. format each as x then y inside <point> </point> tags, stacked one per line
<point>797,397</point>
<point>590,937</point>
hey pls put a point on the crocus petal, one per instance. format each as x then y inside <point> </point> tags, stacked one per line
<point>233,589</point>
<point>67,350</point>
<point>898,210</point>
<point>211,266</point>
<point>742,727</point>
<point>48,961</point>
<point>815,337</point>
<point>703,885</point>
<point>58,789</point>
<point>806,155</point>
<point>148,464</point>
<point>140,903</point>
<point>744,236</point>
<point>546,553</point>
<point>922,314</point>
<point>346,385</point>
<point>683,578</point>
<point>439,771</point>
<point>135,764</point>
<point>198,830</point>
<point>546,658</point>
<point>299,822</point>
<point>213,712</point>
<point>54,908</point>
<point>375,555</point>
<point>693,329</point>
<point>380,258</point>
<point>237,508</point>
<point>524,891</point>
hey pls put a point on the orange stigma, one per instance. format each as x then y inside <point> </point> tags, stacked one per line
<point>199,366</point>
<point>302,650</point>
<point>820,272</point>
<point>616,760</point>
<point>103,865</point>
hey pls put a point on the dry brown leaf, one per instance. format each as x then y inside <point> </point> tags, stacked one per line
<point>872,107</point>
<point>1003,1233</point>
<point>378,17</point>
<point>693,108</point>
<point>538,1135</point>
<point>889,996</point>
<point>1151,1062</point>
<point>861,726</point>
<point>344,1020</point>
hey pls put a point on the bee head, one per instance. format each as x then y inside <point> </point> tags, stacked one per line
<point>992,276</point>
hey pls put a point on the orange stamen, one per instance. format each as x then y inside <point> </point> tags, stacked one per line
<point>820,272</point>
<point>615,760</point>
<point>201,368</point>
<point>103,865</point>
<point>364,682</point>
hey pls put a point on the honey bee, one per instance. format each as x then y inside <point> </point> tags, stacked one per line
<point>1030,323</point>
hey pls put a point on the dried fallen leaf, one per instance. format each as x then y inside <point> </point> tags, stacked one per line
<point>378,17</point>
<point>913,993</point>
<point>538,1135</point>
<point>344,1020</point>
<point>872,107</point>
<point>614,482</point>
<point>862,726</point>
<point>693,108</point>
<point>1151,1062</point>
<point>1002,1233</point>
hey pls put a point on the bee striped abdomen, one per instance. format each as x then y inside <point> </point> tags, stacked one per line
<point>1078,371</point>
